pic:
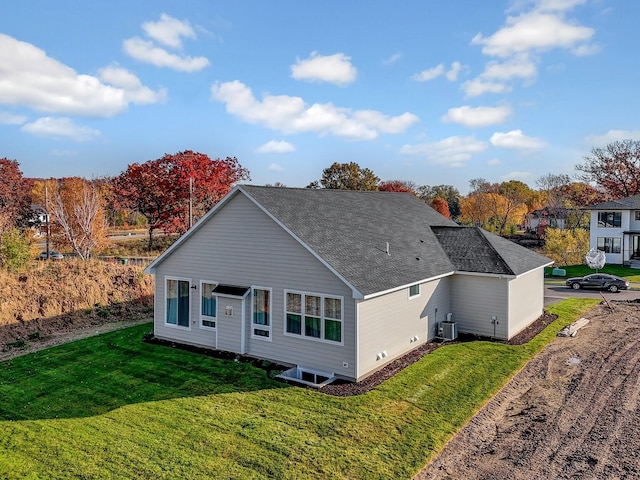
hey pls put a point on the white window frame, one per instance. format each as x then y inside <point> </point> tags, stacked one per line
<point>610,244</point>
<point>613,213</point>
<point>323,317</point>
<point>411,297</point>
<point>167,278</point>
<point>207,318</point>
<point>257,326</point>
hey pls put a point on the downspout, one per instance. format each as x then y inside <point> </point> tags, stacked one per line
<point>243,336</point>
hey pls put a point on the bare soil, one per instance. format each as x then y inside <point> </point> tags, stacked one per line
<point>571,412</point>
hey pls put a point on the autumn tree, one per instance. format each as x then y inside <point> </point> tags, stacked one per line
<point>441,206</point>
<point>615,168</point>
<point>176,190</point>
<point>448,192</point>
<point>396,186</point>
<point>15,249</point>
<point>15,196</point>
<point>566,247</point>
<point>77,207</point>
<point>349,176</point>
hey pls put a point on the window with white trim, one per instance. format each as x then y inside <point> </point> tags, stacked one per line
<point>261,313</point>
<point>414,290</point>
<point>177,302</point>
<point>610,244</point>
<point>313,316</point>
<point>208,305</point>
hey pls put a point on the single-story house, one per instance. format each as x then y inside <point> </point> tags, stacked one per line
<point>614,228</point>
<point>338,283</point>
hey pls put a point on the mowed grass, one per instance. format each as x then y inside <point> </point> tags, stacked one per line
<point>114,407</point>
<point>631,274</point>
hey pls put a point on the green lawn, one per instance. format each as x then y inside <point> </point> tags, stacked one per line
<point>113,407</point>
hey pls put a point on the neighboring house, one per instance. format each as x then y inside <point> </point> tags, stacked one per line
<point>539,220</point>
<point>336,282</point>
<point>615,229</point>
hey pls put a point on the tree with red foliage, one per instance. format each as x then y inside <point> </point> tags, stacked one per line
<point>614,168</point>
<point>15,195</point>
<point>441,206</point>
<point>176,189</point>
<point>395,186</point>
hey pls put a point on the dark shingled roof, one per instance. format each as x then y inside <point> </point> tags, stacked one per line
<point>628,203</point>
<point>350,230</point>
<point>472,249</point>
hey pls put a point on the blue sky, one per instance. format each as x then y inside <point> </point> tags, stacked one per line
<point>436,92</point>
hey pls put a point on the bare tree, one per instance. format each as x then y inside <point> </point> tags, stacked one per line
<point>77,208</point>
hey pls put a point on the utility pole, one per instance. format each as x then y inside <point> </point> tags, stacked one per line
<point>46,215</point>
<point>190,202</point>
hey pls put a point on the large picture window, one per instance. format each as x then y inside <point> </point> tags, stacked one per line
<point>208,305</point>
<point>609,219</point>
<point>610,244</point>
<point>261,307</point>
<point>177,308</point>
<point>313,316</point>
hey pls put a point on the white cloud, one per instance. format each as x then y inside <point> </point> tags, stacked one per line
<point>336,68</point>
<point>7,118</point>
<point>274,146</point>
<point>32,79</point>
<point>169,31</point>
<point>533,31</point>
<point>612,136</point>
<point>291,115</point>
<point>146,51</point>
<point>61,129</point>
<point>452,152</point>
<point>494,162</point>
<point>516,140</point>
<point>392,59</point>
<point>131,84</point>
<point>274,167</point>
<point>477,87</point>
<point>475,117</point>
<point>520,66</point>
<point>429,74</point>
<point>454,71</point>
<point>516,176</point>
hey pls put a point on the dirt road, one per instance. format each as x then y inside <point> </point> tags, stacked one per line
<point>572,412</point>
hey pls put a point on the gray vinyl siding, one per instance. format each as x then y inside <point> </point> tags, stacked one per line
<point>389,323</point>
<point>241,245</point>
<point>526,300</point>
<point>475,299</point>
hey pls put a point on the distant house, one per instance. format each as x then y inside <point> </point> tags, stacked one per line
<point>615,229</point>
<point>338,283</point>
<point>538,221</point>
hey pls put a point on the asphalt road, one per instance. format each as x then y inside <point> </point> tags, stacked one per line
<point>555,293</point>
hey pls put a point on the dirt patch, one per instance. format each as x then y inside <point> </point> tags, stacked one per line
<point>571,412</point>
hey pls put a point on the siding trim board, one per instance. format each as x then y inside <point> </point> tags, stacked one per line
<point>395,289</point>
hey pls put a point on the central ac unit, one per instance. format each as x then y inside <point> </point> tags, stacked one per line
<point>449,330</point>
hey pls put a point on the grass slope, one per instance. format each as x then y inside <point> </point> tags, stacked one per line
<point>114,407</point>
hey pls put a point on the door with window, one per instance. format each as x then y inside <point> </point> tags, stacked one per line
<point>177,302</point>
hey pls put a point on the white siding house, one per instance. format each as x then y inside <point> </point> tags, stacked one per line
<point>614,228</point>
<point>338,282</point>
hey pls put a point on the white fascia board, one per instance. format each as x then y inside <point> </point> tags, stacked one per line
<point>395,289</point>
<point>354,290</point>
<point>151,268</point>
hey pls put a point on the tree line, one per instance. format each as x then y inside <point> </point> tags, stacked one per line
<point>174,191</point>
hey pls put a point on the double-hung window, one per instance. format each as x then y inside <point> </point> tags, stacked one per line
<point>177,302</point>
<point>208,305</point>
<point>261,308</point>
<point>609,219</point>
<point>313,316</point>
